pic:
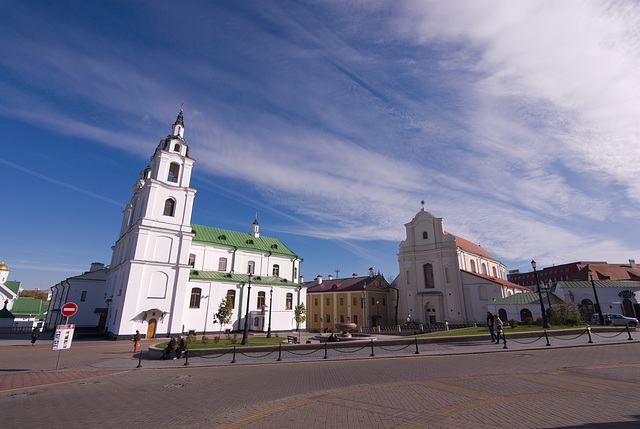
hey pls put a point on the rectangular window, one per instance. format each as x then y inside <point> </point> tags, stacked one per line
<point>341,301</point>
<point>384,301</point>
<point>428,276</point>
<point>341,318</point>
<point>195,297</point>
<point>315,302</point>
<point>289,303</point>
<point>355,302</point>
<point>231,297</point>
<point>373,300</point>
<point>276,270</point>
<point>315,317</point>
<point>192,260</point>
<point>251,267</point>
<point>83,296</point>
<point>261,296</point>
<point>355,319</point>
<point>328,301</point>
<point>222,264</point>
<point>328,319</point>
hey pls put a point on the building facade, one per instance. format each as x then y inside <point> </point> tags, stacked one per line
<point>360,300</point>
<point>445,278</point>
<point>168,276</point>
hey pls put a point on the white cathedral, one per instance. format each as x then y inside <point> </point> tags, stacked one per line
<point>445,278</point>
<point>168,276</point>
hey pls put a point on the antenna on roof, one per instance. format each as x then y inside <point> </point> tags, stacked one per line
<point>337,273</point>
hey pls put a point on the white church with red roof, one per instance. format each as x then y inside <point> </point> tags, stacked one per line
<point>445,278</point>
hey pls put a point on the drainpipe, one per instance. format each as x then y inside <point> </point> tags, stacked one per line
<point>233,260</point>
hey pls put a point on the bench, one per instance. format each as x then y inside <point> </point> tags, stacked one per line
<point>291,339</point>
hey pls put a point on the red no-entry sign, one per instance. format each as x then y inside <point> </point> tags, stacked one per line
<point>69,309</point>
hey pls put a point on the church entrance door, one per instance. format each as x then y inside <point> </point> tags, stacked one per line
<point>151,328</point>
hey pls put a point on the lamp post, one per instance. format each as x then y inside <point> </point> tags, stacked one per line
<point>270,309</point>
<point>378,306</point>
<point>593,285</point>
<point>245,334</point>
<point>545,321</point>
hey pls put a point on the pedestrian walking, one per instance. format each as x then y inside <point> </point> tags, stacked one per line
<point>499,326</point>
<point>136,341</point>
<point>34,335</point>
<point>490,324</point>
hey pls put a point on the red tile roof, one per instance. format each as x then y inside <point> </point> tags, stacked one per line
<point>472,247</point>
<point>499,281</point>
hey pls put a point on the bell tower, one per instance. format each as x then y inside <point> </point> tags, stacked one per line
<point>150,258</point>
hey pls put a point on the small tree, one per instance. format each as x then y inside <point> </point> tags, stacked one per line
<point>300,317</point>
<point>223,316</point>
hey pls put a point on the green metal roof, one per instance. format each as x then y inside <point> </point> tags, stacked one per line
<point>240,240</point>
<point>12,286</point>
<point>527,298</point>
<point>28,305</point>
<point>600,284</point>
<point>240,278</point>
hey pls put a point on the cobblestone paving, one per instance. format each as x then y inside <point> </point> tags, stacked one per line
<point>443,387</point>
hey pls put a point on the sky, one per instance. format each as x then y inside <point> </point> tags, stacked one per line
<point>516,122</point>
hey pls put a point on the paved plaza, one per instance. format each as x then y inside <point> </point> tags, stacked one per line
<point>472,384</point>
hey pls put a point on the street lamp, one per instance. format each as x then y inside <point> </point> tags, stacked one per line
<point>593,285</point>
<point>245,334</point>
<point>545,321</point>
<point>270,309</point>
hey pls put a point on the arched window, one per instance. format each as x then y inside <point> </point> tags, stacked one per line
<point>289,303</point>
<point>627,308</point>
<point>174,171</point>
<point>484,269</point>
<point>425,235</point>
<point>408,274</point>
<point>192,260</point>
<point>196,292</point>
<point>586,309</point>
<point>222,264</point>
<point>276,270</point>
<point>261,296</point>
<point>176,148</point>
<point>231,297</point>
<point>473,266</point>
<point>502,313</point>
<point>169,207</point>
<point>251,267</point>
<point>428,276</point>
<point>525,314</point>
<point>495,273</point>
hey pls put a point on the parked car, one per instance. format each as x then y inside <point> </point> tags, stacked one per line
<point>616,320</point>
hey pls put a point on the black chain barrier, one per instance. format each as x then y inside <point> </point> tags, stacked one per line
<point>526,342</point>
<point>397,350</point>
<point>354,351</point>
<point>607,336</point>
<point>258,357</point>
<point>559,337</point>
<point>305,354</point>
<point>204,356</point>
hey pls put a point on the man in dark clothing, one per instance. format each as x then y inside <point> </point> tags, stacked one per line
<point>171,346</point>
<point>182,347</point>
<point>491,325</point>
<point>34,335</point>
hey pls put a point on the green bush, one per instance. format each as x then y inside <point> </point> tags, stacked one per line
<point>539,321</point>
<point>216,339</point>
<point>191,338</point>
<point>513,323</point>
<point>571,322</point>
<point>205,339</point>
<point>529,321</point>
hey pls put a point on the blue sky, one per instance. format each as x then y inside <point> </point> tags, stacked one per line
<point>517,122</point>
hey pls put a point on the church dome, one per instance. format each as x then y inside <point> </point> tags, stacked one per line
<point>3,267</point>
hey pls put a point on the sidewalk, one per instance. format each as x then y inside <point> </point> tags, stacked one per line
<point>86,356</point>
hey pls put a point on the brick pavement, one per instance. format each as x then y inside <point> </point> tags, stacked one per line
<point>452,385</point>
<point>566,387</point>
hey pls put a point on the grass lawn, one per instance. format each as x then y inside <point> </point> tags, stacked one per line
<point>224,342</point>
<point>507,330</point>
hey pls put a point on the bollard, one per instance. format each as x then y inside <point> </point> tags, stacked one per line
<point>547,337</point>
<point>234,354</point>
<point>629,332</point>
<point>325,350</point>
<point>280,353</point>
<point>589,333</point>
<point>186,357</point>
<point>372,353</point>
<point>417,352</point>
<point>139,360</point>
